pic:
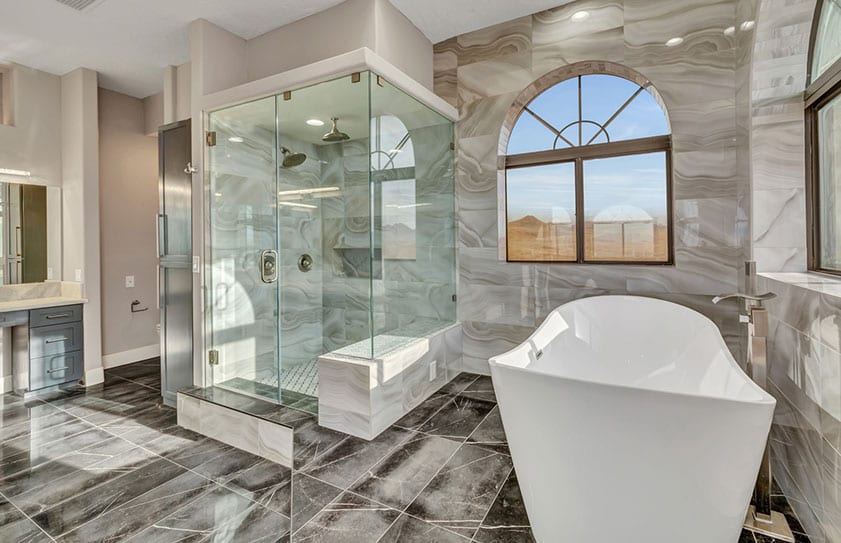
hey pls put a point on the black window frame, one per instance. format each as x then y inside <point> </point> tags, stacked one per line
<point>581,154</point>
<point>819,92</point>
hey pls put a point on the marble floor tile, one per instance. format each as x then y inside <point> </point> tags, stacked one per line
<point>266,483</point>
<point>348,519</point>
<point>219,515</point>
<point>458,383</point>
<point>14,526</point>
<point>401,475</point>
<point>480,389</point>
<point>408,529</point>
<point>415,418</point>
<point>460,495</point>
<point>458,418</point>
<point>98,502</point>
<point>108,463</point>
<point>506,521</point>
<point>309,496</point>
<point>344,463</point>
<point>490,434</point>
<point>49,484</point>
<point>118,523</point>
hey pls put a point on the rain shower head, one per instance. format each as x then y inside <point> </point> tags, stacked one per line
<point>335,135</point>
<point>290,159</point>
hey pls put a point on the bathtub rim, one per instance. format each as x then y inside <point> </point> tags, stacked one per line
<point>528,346</point>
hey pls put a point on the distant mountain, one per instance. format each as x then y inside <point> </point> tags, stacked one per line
<point>529,221</point>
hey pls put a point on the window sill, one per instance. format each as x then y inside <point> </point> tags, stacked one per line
<point>813,281</point>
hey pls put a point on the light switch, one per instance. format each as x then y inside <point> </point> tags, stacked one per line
<point>78,275</point>
<point>49,274</point>
<point>129,281</point>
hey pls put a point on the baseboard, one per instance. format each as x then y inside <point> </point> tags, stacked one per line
<point>94,377</point>
<point>131,356</point>
<point>6,384</point>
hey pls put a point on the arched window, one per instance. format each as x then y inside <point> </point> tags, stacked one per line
<point>587,160</point>
<point>823,114</point>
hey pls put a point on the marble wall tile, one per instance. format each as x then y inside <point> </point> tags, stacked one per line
<point>701,126</point>
<point>779,218</point>
<point>482,340</point>
<point>241,430</point>
<point>495,76</point>
<point>499,40</point>
<point>706,222</point>
<point>497,304</point>
<point>483,117</point>
<point>694,178</point>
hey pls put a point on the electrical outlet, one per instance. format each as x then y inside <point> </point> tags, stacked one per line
<point>196,264</point>
<point>433,370</point>
<point>129,281</point>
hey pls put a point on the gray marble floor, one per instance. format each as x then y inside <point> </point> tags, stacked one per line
<point>110,464</point>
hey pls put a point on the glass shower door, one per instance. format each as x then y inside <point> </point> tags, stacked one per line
<point>242,289</point>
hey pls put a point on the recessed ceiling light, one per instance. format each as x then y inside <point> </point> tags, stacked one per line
<point>674,42</point>
<point>730,30</point>
<point>747,25</point>
<point>315,122</point>
<point>22,173</point>
<point>235,139</point>
<point>579,16</point>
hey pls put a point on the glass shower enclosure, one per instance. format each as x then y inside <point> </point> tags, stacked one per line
<point>330,229</point>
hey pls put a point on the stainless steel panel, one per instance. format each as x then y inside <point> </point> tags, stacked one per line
<point>176,329</point>
<point>57,339</point>
<point>55,370</point>
<point>55,315</point>
<point>176,191</point>
<point>175,278</point>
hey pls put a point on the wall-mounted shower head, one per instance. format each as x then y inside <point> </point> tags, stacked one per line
<point>291,159</point>
<point>335,135</point>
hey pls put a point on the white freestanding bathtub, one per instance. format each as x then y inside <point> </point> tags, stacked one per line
<point>629,420</point>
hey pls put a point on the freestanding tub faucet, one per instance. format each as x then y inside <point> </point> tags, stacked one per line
<point>761,518</point>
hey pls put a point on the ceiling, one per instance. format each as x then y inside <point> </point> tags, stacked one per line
<point>129,41</point>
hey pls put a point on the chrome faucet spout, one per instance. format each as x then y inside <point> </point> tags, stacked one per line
<point>742,296</point>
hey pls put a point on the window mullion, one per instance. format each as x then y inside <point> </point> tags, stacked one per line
<point>579,210</point>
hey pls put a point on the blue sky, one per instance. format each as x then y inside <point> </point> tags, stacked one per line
<point>638,180</point>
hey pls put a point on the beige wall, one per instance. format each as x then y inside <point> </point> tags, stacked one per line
<point>80,192</point>
<point>342,28</point>
<point>128,196</point>
<point>375,24</point>
<point>34,142</point>
<point>153,113</point>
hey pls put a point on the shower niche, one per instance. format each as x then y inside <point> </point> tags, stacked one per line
<point>330,239</point>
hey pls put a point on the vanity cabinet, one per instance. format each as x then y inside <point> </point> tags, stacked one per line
<point>47,348</point>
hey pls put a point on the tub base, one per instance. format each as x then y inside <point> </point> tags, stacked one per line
<point>778,528</point>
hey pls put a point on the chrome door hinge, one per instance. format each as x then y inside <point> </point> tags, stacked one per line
<point>213,357</point>
<point>210,138</point>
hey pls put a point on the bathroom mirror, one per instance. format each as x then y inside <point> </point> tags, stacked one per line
<point>30,222</point>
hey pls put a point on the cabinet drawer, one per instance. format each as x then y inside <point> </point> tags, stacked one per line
<point>56,339</point>
<point>55,370</point>
<point>14,318</point>
<point>55,315</point>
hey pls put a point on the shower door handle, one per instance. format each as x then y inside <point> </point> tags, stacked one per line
<point>268,266</point>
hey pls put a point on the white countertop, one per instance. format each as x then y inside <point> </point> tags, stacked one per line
<point>37,303</point>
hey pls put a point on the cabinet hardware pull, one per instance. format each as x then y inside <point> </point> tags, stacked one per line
<point>58,340</point>
<point>58,369</point>
<point>59,316</point>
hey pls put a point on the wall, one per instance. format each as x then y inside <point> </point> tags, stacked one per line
<point>483,72</point>
<point>33,143</point>
<point>153,113</point>
<point>803,352</point>
<point>80,192</point>
<point>375,24</point>
<point>128,196</point>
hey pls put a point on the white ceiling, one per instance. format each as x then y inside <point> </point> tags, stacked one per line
<point>129,41</point>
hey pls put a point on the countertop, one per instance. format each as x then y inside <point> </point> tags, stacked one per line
<point>37,303</point>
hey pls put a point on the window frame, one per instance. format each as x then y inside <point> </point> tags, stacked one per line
<point>579,155</point>
<point>819,92</point>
